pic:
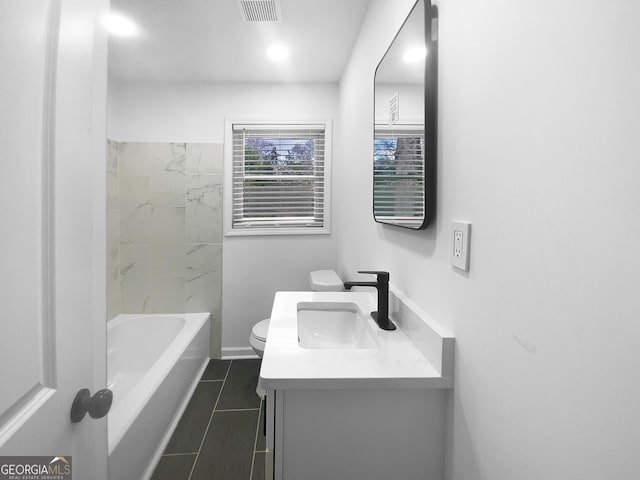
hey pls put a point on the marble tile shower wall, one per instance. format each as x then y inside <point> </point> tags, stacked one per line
<point>165,228</point>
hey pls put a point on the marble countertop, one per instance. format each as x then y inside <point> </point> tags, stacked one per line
<point>396,363</point>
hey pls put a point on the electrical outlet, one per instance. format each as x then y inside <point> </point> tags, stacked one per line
<point>460,236</point>
<point>457,244</point>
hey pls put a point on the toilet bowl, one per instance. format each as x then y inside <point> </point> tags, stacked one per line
<point>258,337</point>
<point>319,281</point>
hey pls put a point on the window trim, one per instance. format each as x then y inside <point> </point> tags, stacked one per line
<point>229,231</point>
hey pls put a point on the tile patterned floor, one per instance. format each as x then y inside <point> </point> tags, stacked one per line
<point>220,434</point>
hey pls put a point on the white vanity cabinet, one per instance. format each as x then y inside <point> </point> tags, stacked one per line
<point>368,412</point>
<point>356,434</point>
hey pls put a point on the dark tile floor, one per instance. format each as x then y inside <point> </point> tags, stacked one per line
<point>220,434</point>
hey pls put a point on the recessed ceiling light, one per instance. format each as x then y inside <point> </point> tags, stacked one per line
<point>415,54</point>
<point>278,53</point>
<point>120,26</point>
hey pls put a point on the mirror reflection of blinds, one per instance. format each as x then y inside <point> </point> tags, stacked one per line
<point>278,176</point>
<point>398,174</point>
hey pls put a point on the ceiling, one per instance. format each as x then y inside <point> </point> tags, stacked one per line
<point>208,41</point>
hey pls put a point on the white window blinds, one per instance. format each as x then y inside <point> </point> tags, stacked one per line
<point>278,176</point>
<point>398,174</point>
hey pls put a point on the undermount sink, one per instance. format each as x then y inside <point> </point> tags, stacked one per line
<point>334,325</point>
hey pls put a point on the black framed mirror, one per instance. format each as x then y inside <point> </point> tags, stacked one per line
<point>405,123</point>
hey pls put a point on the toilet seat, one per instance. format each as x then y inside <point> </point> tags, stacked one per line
<point>258,337</point>
<point>260,329</point>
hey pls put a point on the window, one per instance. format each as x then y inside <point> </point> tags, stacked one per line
<point>278,180</point>
<point>398,174</point>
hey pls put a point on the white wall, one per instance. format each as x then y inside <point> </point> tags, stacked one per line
<point>254,268</point>
<point>195,112</point>
<point>539,110</point>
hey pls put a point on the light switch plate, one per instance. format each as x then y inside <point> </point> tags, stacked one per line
<point>460,243</point>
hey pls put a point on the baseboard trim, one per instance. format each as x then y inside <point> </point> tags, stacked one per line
<point>237,353</point>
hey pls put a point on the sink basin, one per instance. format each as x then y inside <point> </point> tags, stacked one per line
<point>333,325</point>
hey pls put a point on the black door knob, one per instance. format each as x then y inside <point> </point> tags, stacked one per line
<point>98,405</point>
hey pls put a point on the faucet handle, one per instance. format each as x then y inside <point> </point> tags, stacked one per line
<point>382,275</point>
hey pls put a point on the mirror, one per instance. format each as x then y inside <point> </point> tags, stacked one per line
<point>404,150</point>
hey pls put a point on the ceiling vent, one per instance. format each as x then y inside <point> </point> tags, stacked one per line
<point>260,10</point>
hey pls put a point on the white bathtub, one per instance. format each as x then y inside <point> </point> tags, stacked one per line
<point>154,363</point>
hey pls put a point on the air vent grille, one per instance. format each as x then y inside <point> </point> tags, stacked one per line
<point>260,10</point>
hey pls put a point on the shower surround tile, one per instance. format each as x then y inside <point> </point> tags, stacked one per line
<point>112,175</point>
<point>167,225</point>
<point>166,294</point>
<point>204,208</point>
<point>204,158</point>
<point>203,290</point>
<point>134,209</point>
<point>204,278</point>
<point>165,229</point>
<point>167,170</point>
<point>134,278</point>
<point>114,305</point>
<point>168,259</point>
<point>134,158</point>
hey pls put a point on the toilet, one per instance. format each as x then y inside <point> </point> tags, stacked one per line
<point>319,281</point>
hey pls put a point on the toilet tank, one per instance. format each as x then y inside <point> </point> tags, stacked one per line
<point>325,281</point>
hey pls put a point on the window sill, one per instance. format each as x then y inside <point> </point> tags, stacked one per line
<point>279,231</point>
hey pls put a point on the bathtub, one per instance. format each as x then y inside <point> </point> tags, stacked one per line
<point>154,363</point>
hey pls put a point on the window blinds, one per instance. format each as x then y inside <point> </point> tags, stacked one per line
<point>398,174</point>
<point>278,176</point>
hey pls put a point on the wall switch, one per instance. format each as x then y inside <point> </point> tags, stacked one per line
<point>460,236</point>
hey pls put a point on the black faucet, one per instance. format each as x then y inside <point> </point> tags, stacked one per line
<point>382,285</point>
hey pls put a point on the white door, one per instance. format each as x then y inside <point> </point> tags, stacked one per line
<point>52,306</point>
